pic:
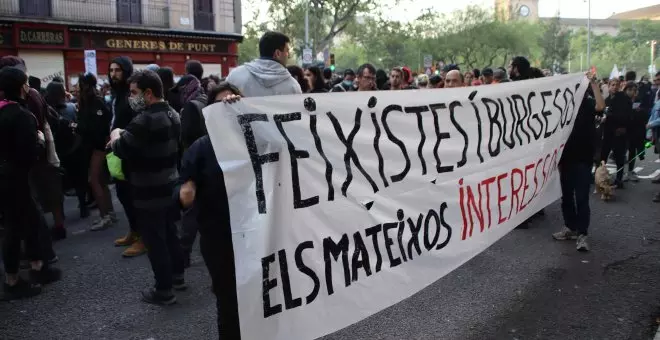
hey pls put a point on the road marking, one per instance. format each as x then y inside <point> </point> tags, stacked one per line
<point>655,174</point>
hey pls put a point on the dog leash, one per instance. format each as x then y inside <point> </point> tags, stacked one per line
<point>646,147</point>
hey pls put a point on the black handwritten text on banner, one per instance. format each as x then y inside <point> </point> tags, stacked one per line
<point>344,204</point>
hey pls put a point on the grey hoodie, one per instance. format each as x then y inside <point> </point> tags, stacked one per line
<point>263,77</point>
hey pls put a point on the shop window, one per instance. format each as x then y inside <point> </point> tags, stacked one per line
<point>129,11</point>
<point>35,8</point>
<point>204,17</point>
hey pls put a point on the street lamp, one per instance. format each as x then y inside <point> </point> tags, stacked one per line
<point>589,35</point>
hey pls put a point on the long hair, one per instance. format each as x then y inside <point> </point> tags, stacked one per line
<point>88,92</point>
<point>297,73</point>
<point>319,82</point>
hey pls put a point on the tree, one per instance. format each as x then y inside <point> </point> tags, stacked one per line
<point>327,19</point>
<point>555,44</point>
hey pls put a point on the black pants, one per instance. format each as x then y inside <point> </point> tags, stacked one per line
<point>125,197</point>
<point>23,220</point>
<point>617,144</point>
<point>218,255</point>
<point>189,229</point>
<point>575,184</point>
<point>76,165</point>
<point>635,147</point>
<point>158,231</point>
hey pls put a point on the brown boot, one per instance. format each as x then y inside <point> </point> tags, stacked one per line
<point>136,249</point>
<point>127,240</point>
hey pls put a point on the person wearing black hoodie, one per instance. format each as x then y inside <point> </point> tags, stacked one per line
<point>575,169</point>
<point>121,68</point>
<point>20,144</point>
<point>201,185</point>
<point>617,121</point>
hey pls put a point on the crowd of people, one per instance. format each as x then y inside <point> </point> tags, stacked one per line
<point>145,135</point>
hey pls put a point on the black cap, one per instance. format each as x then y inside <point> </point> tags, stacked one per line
<point>435,80</point>
<point>487,72</point>
<point>349,72</point>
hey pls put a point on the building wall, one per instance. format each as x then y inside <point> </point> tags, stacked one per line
<point>174,14</point>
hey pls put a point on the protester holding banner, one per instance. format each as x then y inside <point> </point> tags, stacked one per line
<point>575,169</point>
<point>201,185</point>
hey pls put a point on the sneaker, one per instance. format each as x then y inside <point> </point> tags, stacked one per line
<point>53,260</point>
<point>136,249</point>
<point>633,177</point>
<point>58,233</point>
<point>565,234</point>
<point>626,177</point>
<point>157,297</point>
<point>582,244</point>
<point>20,290</point>
<point>113,217</point>
<point>46,275</point>
<point>179,283</point>
<point>104,223</point>
<point>619,185</point>
<point>127,240</point>
<point>656,180</point>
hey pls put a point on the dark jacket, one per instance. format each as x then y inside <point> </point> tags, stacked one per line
<point>150,147</point>
<point>94,123</point>
<point>619,112</point>
<point>579,147</point>
<point>121,110</point>
<point>192,120</point>
<point>319,90</point>
<point>19,149</point>
<point>200,165</point>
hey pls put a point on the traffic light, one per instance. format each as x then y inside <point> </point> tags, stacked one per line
<point>332,62</point>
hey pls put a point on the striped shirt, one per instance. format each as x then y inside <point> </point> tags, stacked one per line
<point>149,147</point>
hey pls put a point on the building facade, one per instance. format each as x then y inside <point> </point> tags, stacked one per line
<point>53,35</point>
<point>517,9</point>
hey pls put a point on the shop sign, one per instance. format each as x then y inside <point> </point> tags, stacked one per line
<point>159,45</point>
<point>38,36</point>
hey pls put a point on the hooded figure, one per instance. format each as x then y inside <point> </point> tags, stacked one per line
<point>121,110</point>
<point>263,77</point>
<point>188,98</point>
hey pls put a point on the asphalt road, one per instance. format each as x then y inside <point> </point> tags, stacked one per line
<point>526,286</point>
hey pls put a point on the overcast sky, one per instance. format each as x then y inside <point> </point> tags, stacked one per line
<point>410,9</point>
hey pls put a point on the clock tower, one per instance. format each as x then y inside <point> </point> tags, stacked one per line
<point>517,9</point>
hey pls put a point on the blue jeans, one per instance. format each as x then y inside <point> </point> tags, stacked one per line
<point>575,188</point>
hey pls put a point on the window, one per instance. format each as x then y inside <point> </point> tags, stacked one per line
<point>204,17</point>
<point>129,11</point>
<point>37,8</point>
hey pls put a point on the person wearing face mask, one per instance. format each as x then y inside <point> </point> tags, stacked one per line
<point>346,84</point>
<point>120,69</point>
<point>150,147</point>
<point>267,76</point>
<point>20,145</point>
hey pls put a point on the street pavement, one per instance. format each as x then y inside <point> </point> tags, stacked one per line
<point>525,286</point>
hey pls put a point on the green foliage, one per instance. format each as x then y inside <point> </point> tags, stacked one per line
<point>357,32</point>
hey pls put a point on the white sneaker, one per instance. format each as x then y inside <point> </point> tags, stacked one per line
<point>633,177</point>
<point>626,177</point>
<point>565,234</point>
<point>113,217</point>
<point>582,244</point>
<point>104,223</point>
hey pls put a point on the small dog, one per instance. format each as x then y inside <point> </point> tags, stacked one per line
<point>604,182</point>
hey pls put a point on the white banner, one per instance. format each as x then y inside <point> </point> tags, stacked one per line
<point>344,204</point>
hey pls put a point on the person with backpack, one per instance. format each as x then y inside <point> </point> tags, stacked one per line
<point>193,99</point>
<point>20,147</point>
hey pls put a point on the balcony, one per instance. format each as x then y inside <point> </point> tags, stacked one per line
<point>92,12</point>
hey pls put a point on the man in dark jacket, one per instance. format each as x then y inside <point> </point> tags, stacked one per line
<point>618,117</point>
<point>150,147</point>
<point>575,169</point>
<point>119,71</point>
